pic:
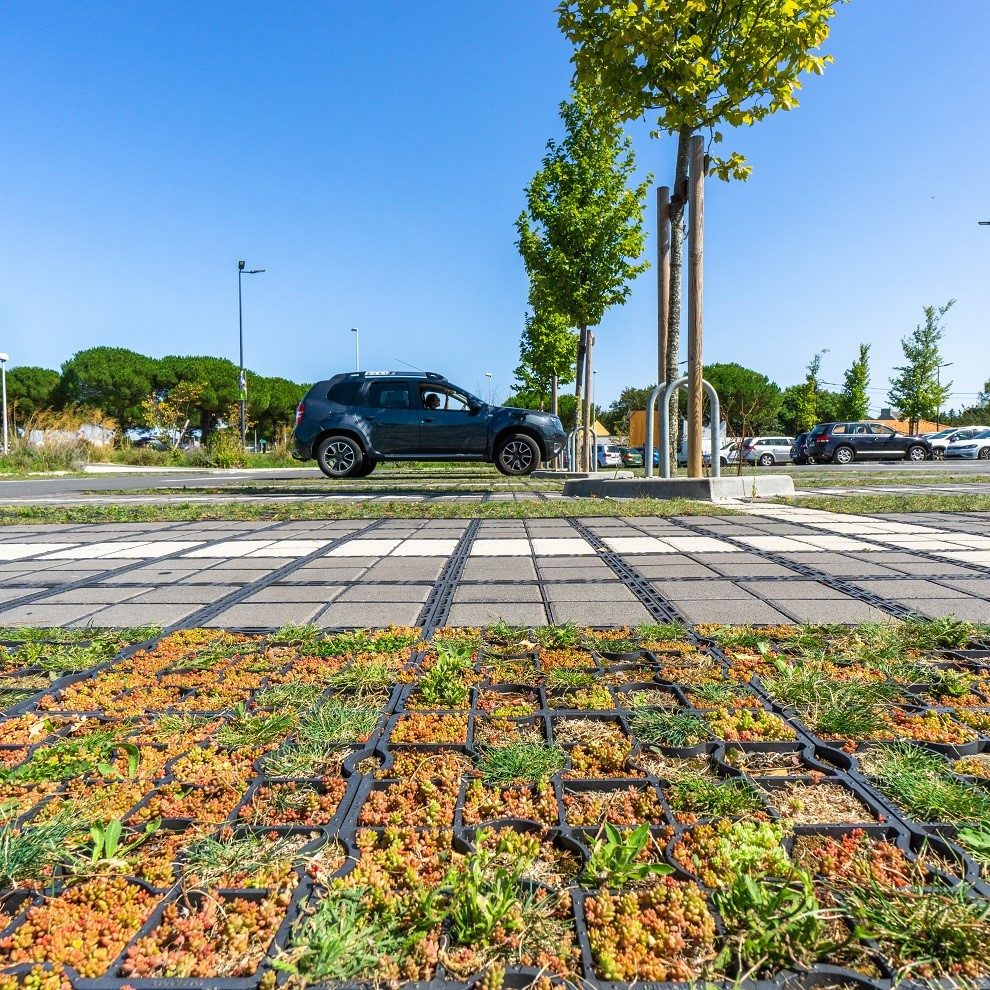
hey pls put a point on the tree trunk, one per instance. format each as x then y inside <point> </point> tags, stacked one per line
<point>676,278</point>
<point>588,442</point>
<point>695,320</point>
<point>554,407</point>
<point>663,280</point>
<point>578,404</point>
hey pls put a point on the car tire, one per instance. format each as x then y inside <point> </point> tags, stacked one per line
<point>766,460</point>
<point>983,454</point>
<point>844,455</point>
<point>517,454</point>
<point>366,468</point>
<point>916,453</point>
<point>938,453</point>
<point>340,457</point>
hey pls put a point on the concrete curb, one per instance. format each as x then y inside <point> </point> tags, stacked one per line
<point>701,489</point>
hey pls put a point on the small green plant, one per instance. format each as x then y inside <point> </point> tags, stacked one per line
<point>668,728</point>
<point>369,676</point>
<point>520,761</point>
<point>26,853</point>
<point>558,637</point>
<point>616,858</point>
<point>976,841</point>
<point>108,849</point>
<point>502,634</point>
<point>336,721</point>
<point>293,695</point>
<point>442,686</point>
<point>714,798</point>
<point>306,637</point>
<point>567,677</point>
<point>484,895</point>
<point>770,924</point>
<point>254,730</point>
<point>660,631</point>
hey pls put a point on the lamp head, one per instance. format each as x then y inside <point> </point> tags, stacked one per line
<point>240,266</point>
<point>4,358</point>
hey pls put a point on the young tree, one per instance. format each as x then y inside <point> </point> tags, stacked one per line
<point>219,394</point>
<point>30,390</point>
<point>699,66</point>
<point>806,397</point>
<point>616,417</point>
<point>546,355</point>
<point>170,413</point>
<point>112,379</point>
<point>582,232</point>
<point>915,389</point>
<point>855,399</point>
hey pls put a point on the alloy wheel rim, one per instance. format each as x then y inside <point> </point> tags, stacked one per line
<point>917,454</point>
<point>340,458</point>
<point>517,456</point>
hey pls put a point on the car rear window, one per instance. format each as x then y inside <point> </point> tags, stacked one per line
<point>391,395</point>
<point>345,392</point>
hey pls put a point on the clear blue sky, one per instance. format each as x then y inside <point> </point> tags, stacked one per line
<point>372,157</point>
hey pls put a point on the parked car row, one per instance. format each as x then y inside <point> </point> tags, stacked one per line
<point>947,439</point>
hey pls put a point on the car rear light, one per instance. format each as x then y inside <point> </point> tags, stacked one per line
<point>749,446</point>
<point>300,409</point>
<point>822,439</point>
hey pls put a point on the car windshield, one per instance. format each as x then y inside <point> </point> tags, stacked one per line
<point>982,435</point>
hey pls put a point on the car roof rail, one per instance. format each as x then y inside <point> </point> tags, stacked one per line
<point>433,375</point>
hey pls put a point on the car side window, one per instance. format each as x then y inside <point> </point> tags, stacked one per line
<point>839,428</point>
<point>391,395</point>
<point>440,399</point>
<point>345,392</point>
<point>881,431</point>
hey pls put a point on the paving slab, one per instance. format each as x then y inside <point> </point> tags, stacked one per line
<point>248,616</point>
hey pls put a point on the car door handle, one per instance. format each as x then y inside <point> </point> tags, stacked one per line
<point>427,420</point>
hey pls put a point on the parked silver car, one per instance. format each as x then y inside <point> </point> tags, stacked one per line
<point>767,451</point>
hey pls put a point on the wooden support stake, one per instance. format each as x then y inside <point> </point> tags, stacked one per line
<point>663,280</point>
<point>696,235</point>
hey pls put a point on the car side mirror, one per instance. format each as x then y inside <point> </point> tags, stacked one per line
<point>474,409</point>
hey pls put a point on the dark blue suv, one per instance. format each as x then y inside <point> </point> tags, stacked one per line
<point>352,421</point>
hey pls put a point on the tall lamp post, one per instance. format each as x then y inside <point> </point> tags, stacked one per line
<point>357,348</point>
<point>488,375</point>
<point>938,382</point>
<point>242,381</point>
<point>4,358</point>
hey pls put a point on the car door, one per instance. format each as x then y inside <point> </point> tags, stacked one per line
<point>782,449</point>
<point>392,412</point>
<point>887,444</point>
<point>861,440</point>
<point>452,424</point>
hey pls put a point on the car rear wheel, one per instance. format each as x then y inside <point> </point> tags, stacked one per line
<point>843,455</point>
<point>340,457</point>
<point>766,460</point>
<point>917,453</point>
<point>984,454</point>
<point>517,454</point>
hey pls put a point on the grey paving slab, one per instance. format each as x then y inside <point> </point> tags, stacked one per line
<point>917,567</point>
<point>506,568</point>
<point>109,595</point>
<point>8,594</point>
<point>696,610</point>
<point>323,594</point>
<point>406,569</point>
<point>600,591</point>
<point>230,576</point>
<point>970,586</point>
<point>785,591</point>
<point>706,590</point>
<point>846,611</point>
<point>600,613</point>
<point>247,616</point>
<point>143,614</point>
<point>184,594</point>
<point>381,593</point>
<point>906,588</point>
<point>516,593</point>
<point>479,615</point>
<point>966,608</point>
<point>674,568</point>
<point>365,615</point>
<point>762,568</point>
<point>44,615</point>
<point>839,566</point>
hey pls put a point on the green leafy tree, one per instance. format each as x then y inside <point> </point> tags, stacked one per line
<point>697,66</point>
<point>915,389</point>
<point>749,401</point>
<point>169,413</point>
<point>546,355</point>
<point>30,390</point>
<point>807,397</point>
<point>581,234</point>
<point>217,378</point>
<point>114,380</point>
<point>855,398</point>
<point>566,405</point>
<point>272,405</point>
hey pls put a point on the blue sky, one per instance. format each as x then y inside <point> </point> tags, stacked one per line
<point>372,158</point>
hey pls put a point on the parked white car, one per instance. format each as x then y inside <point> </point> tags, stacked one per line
<point>767,451</point>
<point>974,448</point>
<point>944,439</point>
<point>609,456</point>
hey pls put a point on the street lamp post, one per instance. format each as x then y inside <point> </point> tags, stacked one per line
<point>4,358</point>
<point>357,348</point>
<point>242,381</point>
<point>488,375</point>
<point>938,382</point>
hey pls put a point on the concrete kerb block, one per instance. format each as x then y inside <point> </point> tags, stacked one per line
<point>700,489</point>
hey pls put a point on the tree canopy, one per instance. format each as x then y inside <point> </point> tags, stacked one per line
<point>114,380</point>
<point>855,397</point>
<point>698,65</point>
<point>749,400</point>
<point>915,389</point>
<point>30,390</point>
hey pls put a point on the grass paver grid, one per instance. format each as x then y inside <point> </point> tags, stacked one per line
<point>361,833</point>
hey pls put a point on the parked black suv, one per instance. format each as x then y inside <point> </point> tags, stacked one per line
<point>351,422</point>
<point>799,449</point>
<point>842,443</point>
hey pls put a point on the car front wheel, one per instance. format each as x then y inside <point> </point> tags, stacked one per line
<point>984,454</point>
<point>917,453</point>
<point>843,455</point>
<point>517,454</point>
<point>938,454</point>
<point>340,457</point>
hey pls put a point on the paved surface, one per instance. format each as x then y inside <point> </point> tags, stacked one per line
<point>776,564</point>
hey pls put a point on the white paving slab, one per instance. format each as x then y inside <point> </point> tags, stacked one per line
<point>289,548</point>
<point>562,546</point>
<point>701,544</point>
<point>19,551</point>
<point>638,544</point>
<point>160,548</point>
<point>501,548</point>
<point>230,548</point>
<point>91,551</point>
<point>424,548</point>
<point>776,543</point>
<point>830,541</point>
<point>965,556</point>
<point>364,548</point>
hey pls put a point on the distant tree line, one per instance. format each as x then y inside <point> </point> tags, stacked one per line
<point>140,392</point>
